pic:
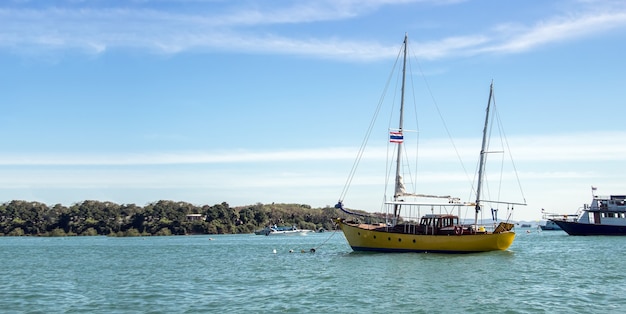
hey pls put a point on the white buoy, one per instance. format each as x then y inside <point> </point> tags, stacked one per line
<point>274,251</point>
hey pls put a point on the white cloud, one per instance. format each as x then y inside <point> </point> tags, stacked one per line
<point>558,29</point>
<point>236,28</point>
<point>598,146</point>
<point>555,171</point>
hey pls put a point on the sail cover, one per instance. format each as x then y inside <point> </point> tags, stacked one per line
<point>401,191</point>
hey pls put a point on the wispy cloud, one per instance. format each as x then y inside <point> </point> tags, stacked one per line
<point>518,38</point>
<point>172,158</point>
<point>256,176</point>
<point>547,148</point>
<point>239,27</point>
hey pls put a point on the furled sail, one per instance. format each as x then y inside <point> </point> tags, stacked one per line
<point>401,191</point>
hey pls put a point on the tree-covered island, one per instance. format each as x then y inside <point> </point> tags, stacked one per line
<point>20,218</point>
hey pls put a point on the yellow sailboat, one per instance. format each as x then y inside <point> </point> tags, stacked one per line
<point>428,223</point>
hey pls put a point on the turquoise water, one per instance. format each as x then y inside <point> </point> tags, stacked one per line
<point>542,272</point>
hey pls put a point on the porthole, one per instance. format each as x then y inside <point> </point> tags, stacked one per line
<point>389,239</point>
<point>374,237</point>
<point>399,239</point>
<point>413,240</point>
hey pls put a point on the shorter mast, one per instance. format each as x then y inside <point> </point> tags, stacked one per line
<point>481,165</point>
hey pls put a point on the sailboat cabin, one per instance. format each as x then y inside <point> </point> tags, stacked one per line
<point>440,224</point>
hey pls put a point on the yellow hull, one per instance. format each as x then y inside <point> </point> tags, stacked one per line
<point>362,239</point>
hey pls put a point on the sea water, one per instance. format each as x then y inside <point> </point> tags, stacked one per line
<point>542,272</point>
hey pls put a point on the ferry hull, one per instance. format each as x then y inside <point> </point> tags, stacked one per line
<point>582,229</point>
<point>361,239</point>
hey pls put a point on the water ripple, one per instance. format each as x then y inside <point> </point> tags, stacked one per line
<point>547,272</point>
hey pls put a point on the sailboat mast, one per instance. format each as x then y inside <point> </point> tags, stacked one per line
<point>481,165</point>
<point>398,183</point>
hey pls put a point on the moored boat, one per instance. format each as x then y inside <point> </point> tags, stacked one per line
<point>282,230</point>
<point>550,225</point>
<point>427,223</point>
<point>606,215</point>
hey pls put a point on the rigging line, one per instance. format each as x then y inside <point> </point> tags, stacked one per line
<point>388,169</point>
<point>508,149</point>
<point>486,189</point>
<point>414,179</point>
<point>405,151</point>
<point>329,237</point>
<point>367,134</point>
<point>389,161</point>
<point>442,120</point>
<point>500,130</point>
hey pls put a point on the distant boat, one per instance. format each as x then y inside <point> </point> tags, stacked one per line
<point>282,230</point>
<point>605,216</point>
<point>438,229</point>
<point>550,225</point>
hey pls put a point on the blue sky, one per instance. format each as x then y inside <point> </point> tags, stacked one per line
<point>210,101</point>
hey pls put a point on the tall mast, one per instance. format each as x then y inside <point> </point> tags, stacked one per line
<point>396,210</point>
<point>481,165</point>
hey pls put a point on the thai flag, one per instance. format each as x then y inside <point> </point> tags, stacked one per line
<point>396,137</point>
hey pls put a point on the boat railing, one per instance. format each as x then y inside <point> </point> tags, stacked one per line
<point>413,212</point>
<point>561,217</point>
<point>411,216</point>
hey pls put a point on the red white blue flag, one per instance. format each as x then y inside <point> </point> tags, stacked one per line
<point>396,137</point>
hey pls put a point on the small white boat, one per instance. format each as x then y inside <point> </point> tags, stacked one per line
<point>550,217</point>
<point>282,230</point>
<point>550,225</point>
